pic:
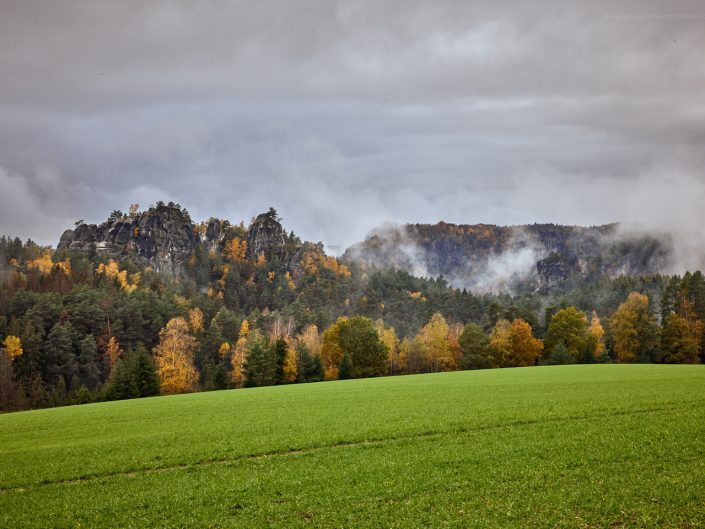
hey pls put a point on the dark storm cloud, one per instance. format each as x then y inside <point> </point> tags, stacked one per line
<point>344,115</point>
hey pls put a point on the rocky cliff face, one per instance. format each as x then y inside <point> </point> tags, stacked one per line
<point>266,236</point>
<point>487,257</point>
<point>165,237</point>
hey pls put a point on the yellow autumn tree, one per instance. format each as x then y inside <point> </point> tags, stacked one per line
<point>195,320</point>
<point>224,349</point>
<point>112,270</point>
<point>239,355</point>
<point>395,357</point>
<point>435,345</point>
<point>113,351</point>
<point>331,352</point>
<point>311,338</point>
<point>598,332</point>
<point>174,357</point>
<point>12,346</point>
<point>290,369</point>
<point>501,341</point>
<point>236,250</point>
<point>634,330</point>
<point>43,263</point>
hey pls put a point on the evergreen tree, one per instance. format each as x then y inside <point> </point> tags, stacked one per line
<point>279,350</point>
<point>12,395</point>
<point>122,383</point>
<point>220,377</point>
<point>209,346</point>
<point>477,353</point>
<point>88,372</point>
<point>59,393</point>
<point>559,355</point>
<point>82,396</point>
<point>60,356</point>
<point>260,365</point>
<point>310,368</point>
<point>144,373</point>
<point>346,367</point>
<point>359,339</point>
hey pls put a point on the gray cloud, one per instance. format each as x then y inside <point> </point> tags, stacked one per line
<point>344,115</point>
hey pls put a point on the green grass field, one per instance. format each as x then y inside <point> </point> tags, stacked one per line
<point>568,446</point>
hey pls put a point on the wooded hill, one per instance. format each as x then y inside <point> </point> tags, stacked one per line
<point>151,302</point>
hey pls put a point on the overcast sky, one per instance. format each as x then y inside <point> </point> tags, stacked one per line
<point>344,115</point>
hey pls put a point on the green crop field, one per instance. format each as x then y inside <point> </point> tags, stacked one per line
<point>568,446</point>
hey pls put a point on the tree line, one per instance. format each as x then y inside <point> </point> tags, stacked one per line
<point>75,328</point>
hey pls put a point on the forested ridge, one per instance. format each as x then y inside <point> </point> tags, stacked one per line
<point>150,302</point>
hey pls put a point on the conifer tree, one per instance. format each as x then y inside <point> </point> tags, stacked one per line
<point>260,365</point>
<point>88,372</point>
<point>345,370</point>
<point>144,373</point>
<point>477,353</point>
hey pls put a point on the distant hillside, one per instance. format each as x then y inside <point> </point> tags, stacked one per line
<point>485,257</point>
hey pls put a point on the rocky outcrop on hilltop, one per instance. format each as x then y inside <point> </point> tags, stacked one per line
<point>540,256</point>
<point>164,236</point>
<point>266,236</point>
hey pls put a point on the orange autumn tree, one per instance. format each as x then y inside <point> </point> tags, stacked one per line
<point>525,348</point>
<point>174,358</point>
<point>113,351</point>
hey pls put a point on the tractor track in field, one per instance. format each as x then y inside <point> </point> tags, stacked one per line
<point>340,445</point>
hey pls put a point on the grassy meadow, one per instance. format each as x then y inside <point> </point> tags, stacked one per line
<point>564,446</point>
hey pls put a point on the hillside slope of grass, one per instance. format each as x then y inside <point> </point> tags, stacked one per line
<point>568,446</point>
